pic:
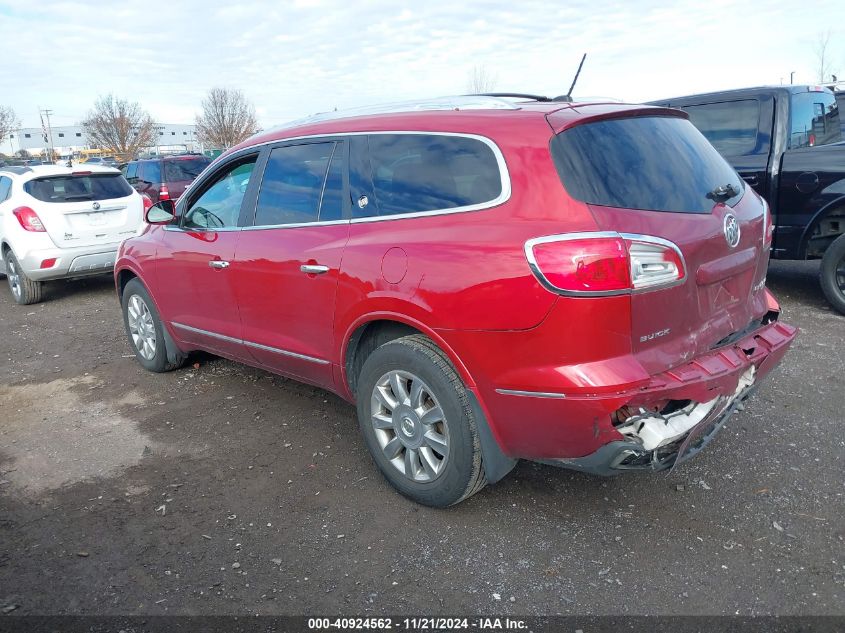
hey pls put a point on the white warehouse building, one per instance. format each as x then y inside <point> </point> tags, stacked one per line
<point>68,139</point>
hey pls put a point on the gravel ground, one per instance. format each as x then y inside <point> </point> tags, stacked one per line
<point>221,489</point>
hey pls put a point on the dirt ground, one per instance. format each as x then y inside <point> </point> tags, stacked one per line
<point>220,489</point>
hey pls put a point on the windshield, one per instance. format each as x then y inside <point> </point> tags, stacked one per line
<point>185,169</point>
<point>650,163</point>
<point>78,188</point>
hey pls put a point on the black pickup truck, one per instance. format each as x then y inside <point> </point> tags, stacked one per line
<point>786,142</point>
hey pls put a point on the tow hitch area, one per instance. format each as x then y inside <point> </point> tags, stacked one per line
<point>679,427</point>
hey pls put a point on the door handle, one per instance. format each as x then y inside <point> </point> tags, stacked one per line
<point>313,269</point>
<point>218,264</point>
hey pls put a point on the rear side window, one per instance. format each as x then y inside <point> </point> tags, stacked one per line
<point>651,163</point>
<point>414,173</point>
<point>294,185</point>
<point>814,120</point>
<point>78,188</point>
<point>150,171</point>
<point>184,169</point>
<point>5,186</point>
<point>131,172</point>
<point>730,126</point>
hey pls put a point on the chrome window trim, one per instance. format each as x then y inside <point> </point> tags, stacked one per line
<point>531,394</point>
<point>266,348</point>
<point>564,237</point>
<point>504,177</point>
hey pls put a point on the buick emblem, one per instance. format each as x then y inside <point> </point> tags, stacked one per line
<point>96,206</point>
<point>731,230</point>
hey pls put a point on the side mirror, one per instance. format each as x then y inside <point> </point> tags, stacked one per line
<point>162,212</point>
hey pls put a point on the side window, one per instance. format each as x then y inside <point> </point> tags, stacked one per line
<point>5,187</point>
<point>219,204</point>
<point>814,120</point>
<point>293,184</point>
<point>429,172</point>
<point>731,126</point>
<point>132,172</point>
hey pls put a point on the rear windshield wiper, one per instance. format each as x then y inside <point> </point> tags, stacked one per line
<point>723,192</point>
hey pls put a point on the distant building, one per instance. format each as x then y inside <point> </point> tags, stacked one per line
<point>68,139</point>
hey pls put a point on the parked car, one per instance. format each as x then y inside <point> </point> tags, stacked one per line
<point>164,178</point>
<point>107,161</point>
<point>785,141</point>
<point>582,285</point>
<point>60,222</point>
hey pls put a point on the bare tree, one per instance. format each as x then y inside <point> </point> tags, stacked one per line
<point>120,126</point>
<point>823,57</point>
<point>227,118</point>
<point>480,80</point>
<point>8,122</point>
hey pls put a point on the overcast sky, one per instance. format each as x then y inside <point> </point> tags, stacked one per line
<point>298,57</point>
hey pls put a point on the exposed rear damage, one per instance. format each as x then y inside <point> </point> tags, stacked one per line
<point>681,410</point>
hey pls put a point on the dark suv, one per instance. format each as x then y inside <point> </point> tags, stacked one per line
<point>164,178</point>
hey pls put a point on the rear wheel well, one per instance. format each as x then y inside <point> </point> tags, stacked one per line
<point>123,278</point>
<point>366,339</point>
<point>824,232</point>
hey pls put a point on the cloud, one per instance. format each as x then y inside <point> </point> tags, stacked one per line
<point>296,58</point>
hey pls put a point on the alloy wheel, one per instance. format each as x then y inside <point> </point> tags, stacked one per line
<point>410,426</point>
<point>141,327</point>
<point>14,277</point>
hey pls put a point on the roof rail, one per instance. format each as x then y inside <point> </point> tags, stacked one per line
<point>464,102</point>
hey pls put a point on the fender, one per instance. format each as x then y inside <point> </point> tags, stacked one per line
<point>384,315</point>
<point>836,203</point>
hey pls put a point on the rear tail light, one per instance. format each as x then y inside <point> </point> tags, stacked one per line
<point>148,202</point>
<point>768,225</point>
<point>164,193</point>
<point>596,264</point>
<point>48,263</point>
<point>29,220</point>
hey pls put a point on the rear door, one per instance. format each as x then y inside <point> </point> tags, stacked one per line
<point>658,176</point>
<point>85,208</point>
<point>288,261</point>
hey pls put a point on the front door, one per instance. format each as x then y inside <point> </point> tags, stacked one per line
<point>196,286</point>
<point>287,262</point>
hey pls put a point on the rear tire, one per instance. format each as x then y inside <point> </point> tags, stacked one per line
<point>832,274</point>
<point>24,290</point>
<point>418,423</point>
<point>145,330</point>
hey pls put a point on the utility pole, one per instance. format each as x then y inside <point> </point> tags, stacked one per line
<point>50,147</point>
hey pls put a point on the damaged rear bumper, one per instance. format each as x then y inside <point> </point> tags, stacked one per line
<point>694,406</point>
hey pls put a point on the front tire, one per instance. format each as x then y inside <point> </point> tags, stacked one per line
<point>418,424</point>
<point>25,291</point>
<point>145,330</point>
<point>832,274</point>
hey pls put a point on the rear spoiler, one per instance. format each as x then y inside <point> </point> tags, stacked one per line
<point>580,114</point>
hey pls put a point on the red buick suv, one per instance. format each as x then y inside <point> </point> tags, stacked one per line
<point>487,280</point>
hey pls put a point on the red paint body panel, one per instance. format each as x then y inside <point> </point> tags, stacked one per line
<point>463,279</point>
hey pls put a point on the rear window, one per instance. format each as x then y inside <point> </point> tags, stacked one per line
<point>730,126</point>
<point>149,171</point>
<point>184,169</point>
<point>650,163</point>
<point>76,188</point>
<point>428,172</point>
<point>814,120</point>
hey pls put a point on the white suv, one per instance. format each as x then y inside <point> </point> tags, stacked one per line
<point>60,222</point>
